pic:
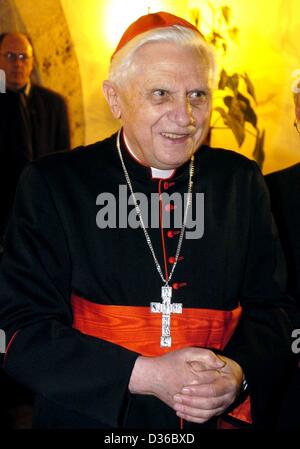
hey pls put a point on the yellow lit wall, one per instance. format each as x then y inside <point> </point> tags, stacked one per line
<point>96,27</point>
<point>268,50</point>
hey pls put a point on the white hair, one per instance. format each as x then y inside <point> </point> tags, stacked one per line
<point>123,64</point>
<point>296,92</point>
<point>296,84</point>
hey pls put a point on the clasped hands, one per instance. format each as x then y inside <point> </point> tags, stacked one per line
<point>197,383</point>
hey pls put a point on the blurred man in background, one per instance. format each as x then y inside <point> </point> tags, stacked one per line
<point>33,119</point>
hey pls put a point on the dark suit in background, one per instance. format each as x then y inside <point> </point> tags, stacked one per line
<point>31,126</point>
<point>50,121</point>
<point>284,187</point>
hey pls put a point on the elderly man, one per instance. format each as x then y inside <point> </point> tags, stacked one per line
<point>139,323</point>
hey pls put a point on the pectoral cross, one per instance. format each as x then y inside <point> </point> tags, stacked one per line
<point>166,308</point>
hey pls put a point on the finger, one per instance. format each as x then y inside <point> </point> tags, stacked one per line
<point>196,415</point>
<point>219,387</point>
<point>198,420</point>
<point>197,402</point>
<point>197,366</point>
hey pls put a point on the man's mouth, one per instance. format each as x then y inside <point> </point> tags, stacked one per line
<point>175,136</point>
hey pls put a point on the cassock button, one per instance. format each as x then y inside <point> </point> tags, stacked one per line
<point>168,184</point>
<point>178,285</point>
<point>172,259</point>
<point>172,234</point>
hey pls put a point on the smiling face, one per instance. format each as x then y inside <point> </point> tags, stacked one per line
<point>165,105</point>
<point>17,71</point>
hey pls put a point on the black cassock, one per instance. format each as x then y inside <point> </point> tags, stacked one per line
<point>55,249</point>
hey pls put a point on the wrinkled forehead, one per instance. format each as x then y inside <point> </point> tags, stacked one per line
<point>169,75</point>
<point>166,61</point>
<point>16,44</point>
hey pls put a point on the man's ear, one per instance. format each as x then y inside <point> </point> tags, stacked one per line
<point>297,113</point>
<point>110,92</point>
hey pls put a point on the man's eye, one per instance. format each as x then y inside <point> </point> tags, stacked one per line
<point>198,96</point>
<point>159,93</point>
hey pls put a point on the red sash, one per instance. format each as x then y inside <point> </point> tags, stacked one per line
<point>139,330</point>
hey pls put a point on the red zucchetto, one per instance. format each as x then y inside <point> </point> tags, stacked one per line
<point>149,22</point>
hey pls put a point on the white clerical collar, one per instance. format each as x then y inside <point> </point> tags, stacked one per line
<point>162,174</point>
<point>155,172</point>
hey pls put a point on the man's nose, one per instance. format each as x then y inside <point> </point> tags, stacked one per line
<point>181,112</point>
<point>18,62</point>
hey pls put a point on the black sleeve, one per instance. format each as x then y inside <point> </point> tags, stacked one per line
<point>78,372</point>
<point>262,342</point>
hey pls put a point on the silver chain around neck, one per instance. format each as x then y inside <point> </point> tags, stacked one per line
<point>139,213</point>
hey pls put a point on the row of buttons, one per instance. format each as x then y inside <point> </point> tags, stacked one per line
<point>173,233</point>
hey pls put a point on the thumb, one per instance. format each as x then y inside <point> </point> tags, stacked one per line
<point>197,366</point>
<point>214,362</point>
<point>220,362</point>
